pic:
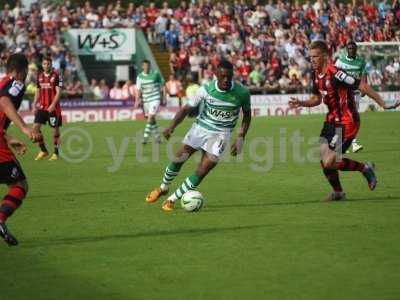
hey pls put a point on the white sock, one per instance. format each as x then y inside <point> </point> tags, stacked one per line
<point>172,198</point>
<point>164,187</point>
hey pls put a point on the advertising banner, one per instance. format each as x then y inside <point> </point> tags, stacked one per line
<point>262,105</point>
<point>103,41</point>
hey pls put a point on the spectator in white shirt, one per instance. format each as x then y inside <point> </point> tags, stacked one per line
<point>116,91</point>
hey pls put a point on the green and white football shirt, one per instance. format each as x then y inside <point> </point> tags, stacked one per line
<point>220,109</point>
<point>150,86</point>
<point>354,67</point>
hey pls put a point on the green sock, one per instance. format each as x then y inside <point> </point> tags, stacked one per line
<point>170,173</point>
<point>190,183</point>
<point>154,129</point>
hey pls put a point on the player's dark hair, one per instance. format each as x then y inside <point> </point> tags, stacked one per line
<point>17,62</point>
<point>321,45</point>
<point>225,64</point>
<point>146,61</point>
<point>47,58</point>
<point>351,42</point>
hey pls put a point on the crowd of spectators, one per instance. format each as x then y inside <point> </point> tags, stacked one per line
<point>37,33</point>
<point>121,90</point>
<point>267,42</point>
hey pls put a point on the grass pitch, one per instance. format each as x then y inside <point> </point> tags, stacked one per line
<point>85,231</point>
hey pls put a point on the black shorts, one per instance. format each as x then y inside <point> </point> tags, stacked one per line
<point>43,117</point>
<point>333,134</point>
<point>11,172</point>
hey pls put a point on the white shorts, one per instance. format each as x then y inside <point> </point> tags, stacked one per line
<point>213,142</point>
<point>151,108</point>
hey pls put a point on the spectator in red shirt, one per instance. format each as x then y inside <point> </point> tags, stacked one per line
<point>151,15</point>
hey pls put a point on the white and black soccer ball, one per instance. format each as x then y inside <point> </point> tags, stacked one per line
<point>192,201</point>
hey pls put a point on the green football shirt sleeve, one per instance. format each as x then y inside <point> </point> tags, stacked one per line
<point>197,98</point>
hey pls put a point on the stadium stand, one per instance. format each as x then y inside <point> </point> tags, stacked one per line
<point>267,43</point>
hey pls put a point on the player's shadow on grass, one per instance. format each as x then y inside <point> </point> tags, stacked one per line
<point>266,204</point>
<point>154,233</point>
<point>69,195</point>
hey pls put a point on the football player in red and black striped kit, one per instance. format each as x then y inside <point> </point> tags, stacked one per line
<point>336,89</point>
<point>46,106</point>
<point>11,93</point>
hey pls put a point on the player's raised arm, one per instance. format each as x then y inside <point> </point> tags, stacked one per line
<point>366,89</point>
<point>314,100</point>
<point>342,78</point>
<point>8,108</point>
<point>179,117</point>
<point>184,111</point>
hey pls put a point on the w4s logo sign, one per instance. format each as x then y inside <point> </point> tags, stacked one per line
<point>100,41</point>
<point>108,41</point>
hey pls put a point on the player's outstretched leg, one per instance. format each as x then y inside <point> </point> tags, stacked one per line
<point>15,195</point>
<point>56,142</point>
<point>171,171</point>
<point>369,174</point>
<point>367,169</point>
<point>331,173</point>
<point>208,162</point>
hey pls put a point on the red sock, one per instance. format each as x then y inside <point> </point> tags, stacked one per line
<point>333,178</point>
<point>350,165</point>
<point>11,202</point>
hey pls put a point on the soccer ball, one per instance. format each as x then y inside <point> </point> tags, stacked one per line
<point>192,201</point>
